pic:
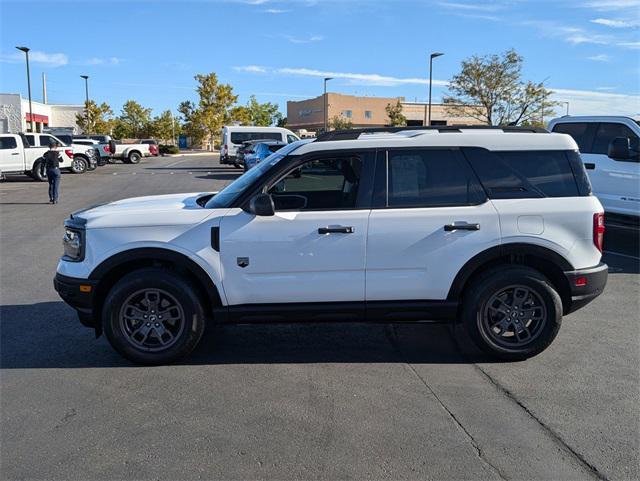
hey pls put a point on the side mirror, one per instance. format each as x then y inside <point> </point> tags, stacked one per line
<point>619,148</point>
<point>262,204</point>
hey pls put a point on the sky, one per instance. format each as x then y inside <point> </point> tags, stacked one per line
<point>587,52</point>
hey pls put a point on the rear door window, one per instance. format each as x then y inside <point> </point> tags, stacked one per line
<point>524,174</point>
<point>31,139</point>
<point>240,137</point>
<point>426,178</point>
<point>579,131</point>
<point>607,131</point>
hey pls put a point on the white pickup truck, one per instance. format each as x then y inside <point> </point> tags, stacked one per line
<point>18,157</point>
<point>131,153</point>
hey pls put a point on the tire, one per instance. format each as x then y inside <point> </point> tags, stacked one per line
<point>134,158</point>
<point>38,172</point>
<point>177,298</point>
<point>512,312</point>
<point>79,164</point>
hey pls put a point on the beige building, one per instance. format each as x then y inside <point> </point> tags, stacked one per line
<point>15,117</point>
<point>363,112</point>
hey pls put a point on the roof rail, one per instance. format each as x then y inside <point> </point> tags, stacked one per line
<point>352,134</point>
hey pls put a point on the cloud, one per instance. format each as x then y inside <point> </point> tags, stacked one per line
<point>476,7</point>
<point>606,88</point>
<point>310,39</point>
<point>611,5</point>
<point>573,35</point>
<point>275,10</point>
<point>633,45</point>
<point>250,69</point>
<point>103,61</point>
<point>593,102</point>
<point>609,22</point>
<point>256,2</point>
<point>600,58</point>
<point>36,56</point>
<point>373,79</point>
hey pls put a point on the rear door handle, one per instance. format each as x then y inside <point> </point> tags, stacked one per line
<point>16,153</point>
<point>589,166</point>
<point>465,226</point>
<point>336,230</point>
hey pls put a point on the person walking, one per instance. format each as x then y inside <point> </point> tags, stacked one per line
<point>52,161</point>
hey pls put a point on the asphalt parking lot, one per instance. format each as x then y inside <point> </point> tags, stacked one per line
<point>330,401</point>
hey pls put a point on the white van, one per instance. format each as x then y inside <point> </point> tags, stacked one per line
<point>233,137</point>
<point>609,147</point>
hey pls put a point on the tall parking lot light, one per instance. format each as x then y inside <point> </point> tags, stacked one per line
<point>325,101</point>
<point>431,57</point>
<point>86,101</point>
<point>567,104</point>
<point>26,51</point>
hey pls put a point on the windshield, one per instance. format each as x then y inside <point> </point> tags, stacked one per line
<point>226,196</point>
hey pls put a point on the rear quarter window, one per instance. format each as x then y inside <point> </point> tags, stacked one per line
<point>527,174</point>
<point>577,130</point>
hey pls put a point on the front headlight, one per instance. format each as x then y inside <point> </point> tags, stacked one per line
<point>73,243</point>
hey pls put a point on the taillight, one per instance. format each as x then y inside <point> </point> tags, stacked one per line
<point>69,153</point>
<point>106,149</point>
<point>225,149</point>
<point>598,230</point>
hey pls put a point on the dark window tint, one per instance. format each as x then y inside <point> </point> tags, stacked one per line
<point>321,184</point>
<point>31,139</point>
<point>291,138</point>
<point>524,174</point>
<point>239,137</point>
<point>576,130</point>
<point>430,178</point>
<point>67,139</point>
<point>8,143</point>
<point>607,132</point>
<point>273,148</point>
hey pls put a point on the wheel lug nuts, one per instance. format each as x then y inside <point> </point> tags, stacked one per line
<point>157,325</point>
<point>159,317</point>
<point>148,324</point>
<point>145,316</point>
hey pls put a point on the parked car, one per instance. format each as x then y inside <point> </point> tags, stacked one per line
<point>154,146</point>
<point>130,153</point>
<point>261,151</point>
<point>17,156</point>
<point>246,148</point>
<point>84,157</point>
<point>493,228</point>
<point>610,149</point>
<point>233,136</point>
<point>103,150</point>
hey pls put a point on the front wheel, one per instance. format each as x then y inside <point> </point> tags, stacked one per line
<point>512,312</point>
<point>79,165</point>
<point>153,316</point>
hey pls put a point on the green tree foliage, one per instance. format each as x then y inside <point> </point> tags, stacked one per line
<point>282,122</point>
<point>135,120</point>
<point>264,114</point>
<point>163,127</point>
<point>241,115</point>
<point>490,89</point>
<point>191,125</point>
<point>394,112</point>
<point>340,123</point>
<point>99,121</point>
<point>215,103</point>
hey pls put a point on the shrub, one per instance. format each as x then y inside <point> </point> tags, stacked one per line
<point>169,149</point>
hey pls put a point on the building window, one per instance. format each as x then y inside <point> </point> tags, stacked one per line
<point>347,113</point>
<point>368,114</point>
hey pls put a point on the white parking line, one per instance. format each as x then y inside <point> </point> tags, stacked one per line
<point>622,255</point>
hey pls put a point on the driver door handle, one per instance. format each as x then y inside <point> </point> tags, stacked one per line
<point>465,226</point>
<point>336,230</point>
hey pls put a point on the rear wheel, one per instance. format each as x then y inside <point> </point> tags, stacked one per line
<point>38,172</point>
<point>512,312</point>
<point>79,164</point>
<point>134,158</point>
<point>153,316</point>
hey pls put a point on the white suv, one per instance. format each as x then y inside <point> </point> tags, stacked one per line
<point>493,228</point>
<point>610,150</point>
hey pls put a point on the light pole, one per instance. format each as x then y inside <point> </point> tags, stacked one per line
<point>26,51</point>
<point>86,96</point>
<point>325,101</point>
<point>567,104</point>
<point>431,57</point>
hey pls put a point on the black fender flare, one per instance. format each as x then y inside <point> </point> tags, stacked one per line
<point>511,251</point>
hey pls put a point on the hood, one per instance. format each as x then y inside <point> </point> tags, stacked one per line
<point>153,210</point>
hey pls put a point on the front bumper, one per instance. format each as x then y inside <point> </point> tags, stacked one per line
<point>586,285</point>
<point>79,294</point>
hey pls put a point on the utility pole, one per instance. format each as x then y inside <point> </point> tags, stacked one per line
<point>44,88</point>
<point>431,57</point>
<point>86,102</point>
<point>26,51</point>
<point>326,101</point>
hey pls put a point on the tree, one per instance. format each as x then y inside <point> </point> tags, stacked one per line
<point>394,112</point>
<point>264,114</point>
<point>340,123</point>
<point>282,122</point>
<point>164,128</point>
<point>213,109</point>
<point>490,89</point>
<point>135,119</point>
<point>191,125</point>
<point>241,115</point>
<point>99,121</point>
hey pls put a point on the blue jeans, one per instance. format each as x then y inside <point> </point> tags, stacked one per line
<point>53,176</point>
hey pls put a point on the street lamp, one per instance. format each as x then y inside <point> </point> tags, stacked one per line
<point>326,102</point>
<point>86,102</point>
<point>26,51</point>
<point>567,104</point>
<point>431,57</point>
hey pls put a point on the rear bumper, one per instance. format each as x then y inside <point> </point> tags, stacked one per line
<point>586,285</point>
<point>79,294</point>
